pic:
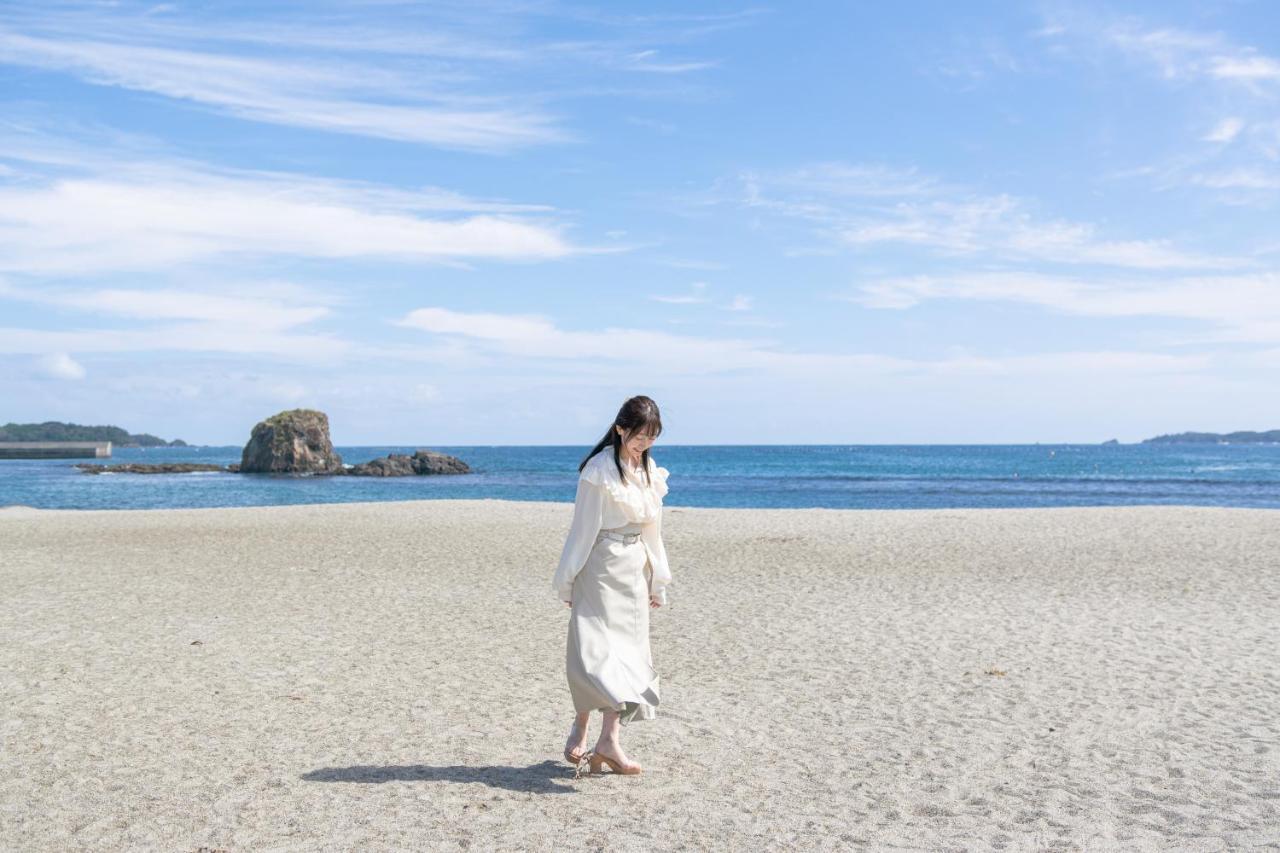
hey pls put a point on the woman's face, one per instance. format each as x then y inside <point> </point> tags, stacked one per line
<point>638,442</point>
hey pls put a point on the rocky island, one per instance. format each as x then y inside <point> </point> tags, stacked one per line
<point>400,465</point>
<point>292,442</point>
<point>296,443</point>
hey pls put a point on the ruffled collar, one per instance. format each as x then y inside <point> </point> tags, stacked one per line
<point>641,502</point>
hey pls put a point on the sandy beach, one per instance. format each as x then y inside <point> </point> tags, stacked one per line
<point>390,676</point>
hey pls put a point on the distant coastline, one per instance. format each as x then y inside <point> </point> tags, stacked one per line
<point>58,431</point>
<point>1242,437</point>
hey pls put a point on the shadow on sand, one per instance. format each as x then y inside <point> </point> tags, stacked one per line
<point>545,777</point>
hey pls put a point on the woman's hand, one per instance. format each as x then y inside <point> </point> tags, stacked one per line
<point>568,604</point>
<point>653,602</point>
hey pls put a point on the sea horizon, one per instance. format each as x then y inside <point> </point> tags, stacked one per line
<point>777,476</point>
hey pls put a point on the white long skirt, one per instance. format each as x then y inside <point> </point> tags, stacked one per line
<point>607,657</point>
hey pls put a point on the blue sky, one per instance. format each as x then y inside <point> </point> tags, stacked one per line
<point>490,223</point>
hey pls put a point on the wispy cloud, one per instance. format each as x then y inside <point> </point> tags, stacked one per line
<point>1213,74</point>
<point>133,216</point>
<point>858,206</point>
<point>173,320</point>
<point>680,300</point>
<point>1173,52</point>
<point>59,365</point>
<point>695,296</point>
<point>1248,67</point>
<point>440,79</point>
<point>1239,179</point>
<point>1226,130</point>
<point>1237,309</point>
<point>647,60</point>
<point>335,98</point>
<point>315,349</point>
<point>665,354</point>
<point>263,314</point>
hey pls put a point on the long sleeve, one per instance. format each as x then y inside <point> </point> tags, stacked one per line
<point>588,512</point>
<point>651,533</point>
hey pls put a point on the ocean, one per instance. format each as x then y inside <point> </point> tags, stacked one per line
<point>776,476</point>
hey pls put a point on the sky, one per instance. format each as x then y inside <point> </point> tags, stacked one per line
<point>474,222</point>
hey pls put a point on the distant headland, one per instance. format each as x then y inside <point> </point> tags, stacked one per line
<point>58,431</point>
<point>1243,437</point>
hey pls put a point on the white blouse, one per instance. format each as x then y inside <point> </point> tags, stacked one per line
<point>606,502</point>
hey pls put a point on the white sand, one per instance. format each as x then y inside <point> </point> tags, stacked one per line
<point>390,676</point>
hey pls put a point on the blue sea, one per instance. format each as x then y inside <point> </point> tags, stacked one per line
<point>833,476</point>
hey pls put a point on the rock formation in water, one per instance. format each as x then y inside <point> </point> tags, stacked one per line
<point>399,465</point>
<point>297,442</point>
<point>148,468</point>
<point>292,442</point>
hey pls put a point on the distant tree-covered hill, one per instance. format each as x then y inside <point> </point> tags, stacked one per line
<point>57,431</point>
<point>1244,437</point>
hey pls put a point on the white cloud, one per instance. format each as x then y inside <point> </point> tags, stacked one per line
<point>647,60</point>
<point>680,300</point>
<point>603,352</point>
<point>1243,179</point>
<point>176,321</point>
<point>1210,71</point>
<point>59,365</point>
<point>181,337</point>
<point>346,99</point>
<point>169,304</point>
<point>1245,68</point>
<point>157,216</point>
<point>741,303</point>
<point>1241,308</point>
<point>950,220</point>
<point>425,392</point>
<point>1225,131</point>
<point>695,297</point>
<point>1176,53</point>
<point>472,78</point>
<point>692,264</point>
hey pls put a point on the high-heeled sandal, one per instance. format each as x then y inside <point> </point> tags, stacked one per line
<point>595,759</point>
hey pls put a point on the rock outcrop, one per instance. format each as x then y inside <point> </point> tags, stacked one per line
<point>148,468</point>
<point>399,465</point>
<point>292,442</point>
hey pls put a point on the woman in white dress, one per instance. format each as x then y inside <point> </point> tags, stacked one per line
<point>612,572</point>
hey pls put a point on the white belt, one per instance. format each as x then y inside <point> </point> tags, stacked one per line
<point>624,538</point>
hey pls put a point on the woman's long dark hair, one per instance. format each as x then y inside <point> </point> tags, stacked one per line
<point>638,414</point>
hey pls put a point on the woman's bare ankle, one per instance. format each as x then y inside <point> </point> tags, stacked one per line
<point>609,746</point>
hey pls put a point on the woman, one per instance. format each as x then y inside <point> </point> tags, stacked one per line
<point>612,571</point>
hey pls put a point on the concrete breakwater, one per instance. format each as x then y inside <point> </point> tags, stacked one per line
<point>55,449</point>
